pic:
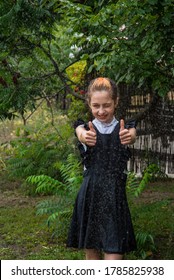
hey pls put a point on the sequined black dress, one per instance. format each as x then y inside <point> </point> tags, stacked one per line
<point>101,217</point>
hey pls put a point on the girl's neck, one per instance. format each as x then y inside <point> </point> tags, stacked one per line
<point>105,123</point>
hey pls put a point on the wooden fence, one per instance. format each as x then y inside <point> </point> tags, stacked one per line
<point>148,150</point>
<point>155,136</point>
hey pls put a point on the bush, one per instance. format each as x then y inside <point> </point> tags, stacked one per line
<point>42,151</point>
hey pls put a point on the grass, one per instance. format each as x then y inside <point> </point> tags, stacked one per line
<point>153,213</point>
<point>26,236</point>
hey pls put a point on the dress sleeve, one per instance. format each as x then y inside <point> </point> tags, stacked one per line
<point>131,124</point>
<point>83,149</point>
<point>81,122</point>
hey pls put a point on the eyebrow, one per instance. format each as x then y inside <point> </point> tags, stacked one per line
<point>107,103</point>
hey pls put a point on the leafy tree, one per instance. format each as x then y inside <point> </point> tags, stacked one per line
<point>129,41</point>
<point>33,59</point>
<point>135,42</point>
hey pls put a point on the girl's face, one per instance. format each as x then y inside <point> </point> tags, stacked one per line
<point>102,106</point>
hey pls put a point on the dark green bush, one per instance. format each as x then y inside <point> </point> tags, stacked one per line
<point>42,151</point>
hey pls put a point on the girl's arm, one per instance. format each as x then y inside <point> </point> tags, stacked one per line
<point>87,137</point>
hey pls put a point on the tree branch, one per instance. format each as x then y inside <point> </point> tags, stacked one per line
<point>41,77</point>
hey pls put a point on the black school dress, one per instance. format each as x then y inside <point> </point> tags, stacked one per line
<point>101,219</point>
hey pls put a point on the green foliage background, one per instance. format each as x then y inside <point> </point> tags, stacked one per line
<point>49,51</point>
<point>129,41</point>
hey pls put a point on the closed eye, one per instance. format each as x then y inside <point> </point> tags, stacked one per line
<point>107,105</point>
<point>95,105</point>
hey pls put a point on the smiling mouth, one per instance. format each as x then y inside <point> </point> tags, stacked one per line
<point>102,118</point>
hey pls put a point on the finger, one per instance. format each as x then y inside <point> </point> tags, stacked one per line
<point>128,138</point>
<point>124,133</point>
<point>90,143</point>
<point>125,139</point>
<point>93,140</point>
<point>91,127</point>
<point>125,142</point>
<point>91,134</point>
<point>121,124</point>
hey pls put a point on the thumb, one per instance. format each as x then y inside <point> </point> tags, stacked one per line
<point>91,127</point>
<point>121,124</point>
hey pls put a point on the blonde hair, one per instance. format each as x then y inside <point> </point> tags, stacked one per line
<point>100,84</point>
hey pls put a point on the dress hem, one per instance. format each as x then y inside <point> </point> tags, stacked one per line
<point>103,250</point>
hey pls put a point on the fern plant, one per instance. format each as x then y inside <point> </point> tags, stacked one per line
<point>145,245</point>
<point>59,208</point>
<point>136,185</point>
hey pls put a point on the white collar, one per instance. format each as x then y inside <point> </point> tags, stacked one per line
<point>96,121</point>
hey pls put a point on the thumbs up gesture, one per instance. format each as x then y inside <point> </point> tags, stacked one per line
<point>88,137</point>
<point>91,127</point>
<point>125,134</point>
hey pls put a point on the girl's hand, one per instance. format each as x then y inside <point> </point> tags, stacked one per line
<point>127,136</point>
<point>88,137</point>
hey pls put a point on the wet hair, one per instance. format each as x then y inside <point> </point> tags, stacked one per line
<point>100,84</point>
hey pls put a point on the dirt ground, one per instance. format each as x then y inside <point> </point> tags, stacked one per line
<point>150,196</point>
<point>12,194</point>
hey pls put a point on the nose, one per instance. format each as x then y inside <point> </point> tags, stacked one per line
<point>101,111</point>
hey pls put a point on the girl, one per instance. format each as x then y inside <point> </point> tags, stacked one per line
<point>101,220</point>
